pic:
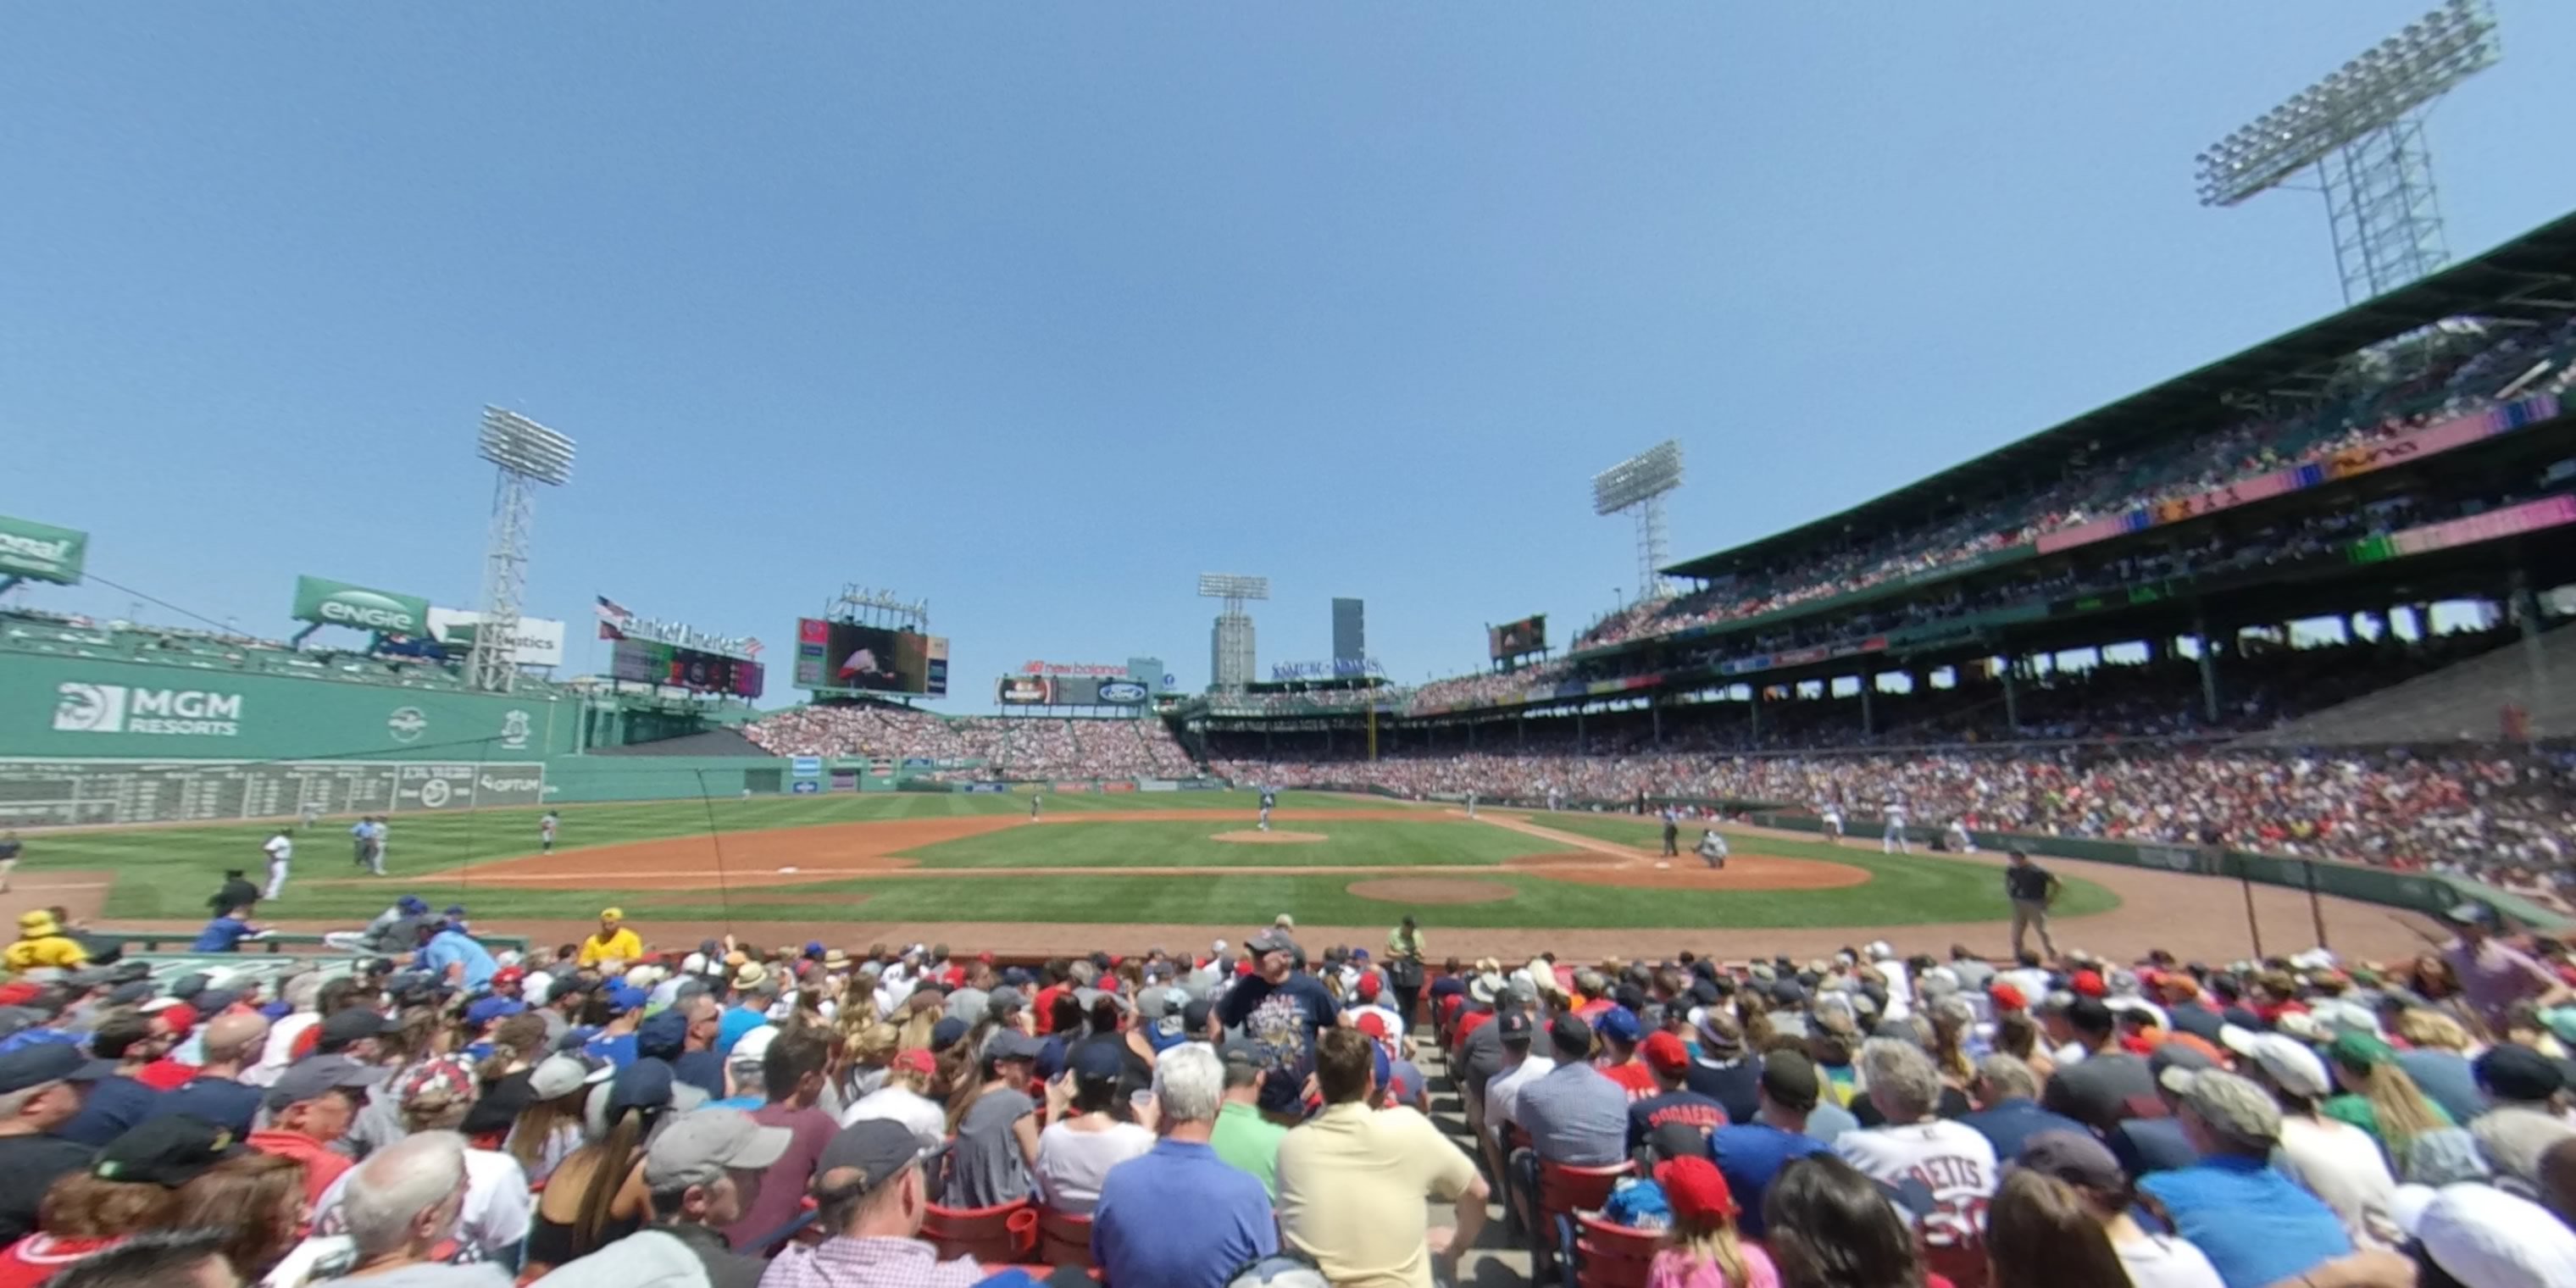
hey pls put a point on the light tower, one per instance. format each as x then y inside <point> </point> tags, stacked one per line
<point>525,454</point>
<point>1230,641</point>
<point>1636,486</point>
<point>2362,129</point>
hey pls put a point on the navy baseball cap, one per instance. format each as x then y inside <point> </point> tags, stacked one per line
<point>43,1062</point>
<point>1514,1028</point>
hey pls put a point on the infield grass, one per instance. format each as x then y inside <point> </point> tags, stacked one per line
<point>1360,843</point>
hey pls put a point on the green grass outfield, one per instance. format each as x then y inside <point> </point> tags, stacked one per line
<point>166,873</point>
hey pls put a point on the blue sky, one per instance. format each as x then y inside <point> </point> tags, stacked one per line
<point>1039,311</point>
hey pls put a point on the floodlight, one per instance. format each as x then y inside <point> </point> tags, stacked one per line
<point>1227,586</point>
<point>1637,486</point>
<point>522,446</point>
<point>2361,126</point>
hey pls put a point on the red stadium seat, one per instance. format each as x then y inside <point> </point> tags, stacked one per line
<point>1005,1232</point>
<point>1612,1256</point>
<point>1064,1239</point>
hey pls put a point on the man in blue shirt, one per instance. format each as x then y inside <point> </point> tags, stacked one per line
<point>1134,1238</point>
<point>2007,1095</point>
<point>1748,1155</point>
<point>2256,1225</point>
<point>226,932</point>
<point>615,1042</point>
<point>453,956</point>
<point>1574,1114</point>
<point>117,1101</point>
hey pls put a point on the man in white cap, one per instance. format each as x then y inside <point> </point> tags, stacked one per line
<point>2483,1237</point>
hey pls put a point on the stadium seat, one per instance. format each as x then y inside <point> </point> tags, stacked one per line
<point>1612,1256</point>
<point>1003,1233</point>
<point>1564,1191</point>
<point>1064,1239</point>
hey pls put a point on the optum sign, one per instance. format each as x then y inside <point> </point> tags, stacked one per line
<point>338,603</point>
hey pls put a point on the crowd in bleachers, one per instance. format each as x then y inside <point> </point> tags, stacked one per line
<point>2474,368</point>
<point>616,1114</point>
<point>1002,746</point>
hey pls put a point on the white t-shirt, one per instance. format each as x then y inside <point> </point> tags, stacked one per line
<point>279,849</point>
<point>903,1105</point>
<point>1072,1164</point>
<point>2341,1164</point>
<point>280,1051</point>
<point>2163,1261</point>
<point>1502,1092</point>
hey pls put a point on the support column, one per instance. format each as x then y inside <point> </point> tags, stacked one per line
<point>2208,668</point>
<point>2012,693</point>
<point>1868,715</point>
<point>1655,716</point>
<point>2534,652</point>
<point>1520,729</point>
<point>1578,732</point>
<point>1753,703</point>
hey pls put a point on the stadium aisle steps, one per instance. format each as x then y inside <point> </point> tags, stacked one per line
<point>2464,699</point>
<point>1496,1261</point>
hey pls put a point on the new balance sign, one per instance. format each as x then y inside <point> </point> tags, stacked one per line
<point>116,708</point>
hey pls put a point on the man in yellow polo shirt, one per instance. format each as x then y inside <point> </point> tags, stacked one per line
<point>614,942</point>
<point>41,943</point>
<point>1352,1180</point>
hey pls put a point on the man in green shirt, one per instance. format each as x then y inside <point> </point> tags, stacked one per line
<point>1245,1138</point>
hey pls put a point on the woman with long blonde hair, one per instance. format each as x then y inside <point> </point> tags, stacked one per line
<point>1701,1248</point>
<point>2378,1096</point>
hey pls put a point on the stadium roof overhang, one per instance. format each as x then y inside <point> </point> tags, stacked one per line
<point>2531,278</point>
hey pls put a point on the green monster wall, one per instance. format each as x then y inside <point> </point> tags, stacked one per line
<point>68,708</point>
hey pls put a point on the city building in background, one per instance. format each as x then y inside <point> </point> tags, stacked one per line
<point>1350,630</point>
<point>1230,639</point>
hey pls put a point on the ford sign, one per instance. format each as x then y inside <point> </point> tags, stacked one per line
<point>1122,693</point>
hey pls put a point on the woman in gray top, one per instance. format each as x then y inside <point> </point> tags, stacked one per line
<point>996,1127</point>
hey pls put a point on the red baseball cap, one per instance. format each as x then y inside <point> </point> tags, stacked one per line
<point>1695,1188</point>
<point>2008,997</point>
<point>2088,983</point>
<point>509,975</point>
<point>1665,1053</point>
<point>1368,988</point>
<point>915,1060</point>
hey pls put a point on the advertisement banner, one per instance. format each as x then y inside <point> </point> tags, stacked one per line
<point>806,766</point>
<point>1093,670</point>
<point>539,641</point>
<point>40,551</point>
<point>338,603</point>
<point>1067,691</point>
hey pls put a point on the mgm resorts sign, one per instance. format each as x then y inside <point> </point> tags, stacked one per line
<point>118,708</point>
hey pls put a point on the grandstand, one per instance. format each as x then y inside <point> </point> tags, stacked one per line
<point>2063,634</point>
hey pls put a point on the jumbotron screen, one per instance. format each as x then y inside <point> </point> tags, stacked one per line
<point>1511,639</point>
<point>847,655</point>
<point>648,662</point>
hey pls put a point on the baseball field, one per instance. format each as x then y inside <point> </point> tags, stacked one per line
<point>1103,869</point>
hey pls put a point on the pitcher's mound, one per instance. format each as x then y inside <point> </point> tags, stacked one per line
<point>1255,836</point>
<point>1431,890</point>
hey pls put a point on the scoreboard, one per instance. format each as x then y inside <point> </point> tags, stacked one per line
<point>652,662</point>
<point>46,793</point>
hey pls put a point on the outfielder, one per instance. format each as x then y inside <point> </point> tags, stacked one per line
<point>546,832</point>
<point>1892,839</point>
<point>1831,815</point>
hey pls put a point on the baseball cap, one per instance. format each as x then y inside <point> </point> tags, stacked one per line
<point>563,1074</point>
<point>1618,1024</point>
<point>488,1009</point>
<point>1719,1034</point>
<point>1695,1188</point>
<point>43,1062</point>
<point>1790,1078</point>
<point>1368,987</point>
<point>1513,1027</point>
<point>753,1047</point>
<point>623,998</point>
<point>2233,1105</point>
<point>1677,1140</point>
<point>877,1149</point>
<point>698,1148</point>
<point>2484,1237</point>
<point>1570,1035</point>
<point>1273,940</point>
<point>2470,914</point>
<point>2088,983</point>
<point>310,1078</point>
<point>2291,1064</point>
<point>412,904</point>
<point>947,1033</point>
<point>2074,1159</point>
<point>646,1084</point>
<point>1095,1061</point>
<point>663,1036</point>
<point>914,1060</point>
<point>346,1026</point>
<point>1665,1053</point>
<point>2518,1073</point>
<point>752,975</point>
<point>1011,1044</point>
<point>2008,997</point>
<point>168,1151</point>
<point>612,914</point>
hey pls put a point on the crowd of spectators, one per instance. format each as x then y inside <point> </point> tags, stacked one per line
<point>2476,366</point>
<point>999,746</point>
<point>2509,816</point>
<point>614,1113</point>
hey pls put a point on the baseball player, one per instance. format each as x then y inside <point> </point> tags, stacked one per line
<point>1269,802</point>
<point>1831,815</point>
<point>546,832</point>
<point>360,833</point>
<point>1712,849</point>
<point>376,845</point>
<point>1960,841</point>
<point>1672,831</point>
<point>1892,839</point>
<point>280,849</point>
<point>1034,801</point>
<point>1471,804</point>
<point>9,851</point>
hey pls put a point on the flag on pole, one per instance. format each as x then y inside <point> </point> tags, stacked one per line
<point>612,618</point>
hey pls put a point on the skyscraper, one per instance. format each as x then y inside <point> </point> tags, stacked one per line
<point>1350,631</point>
